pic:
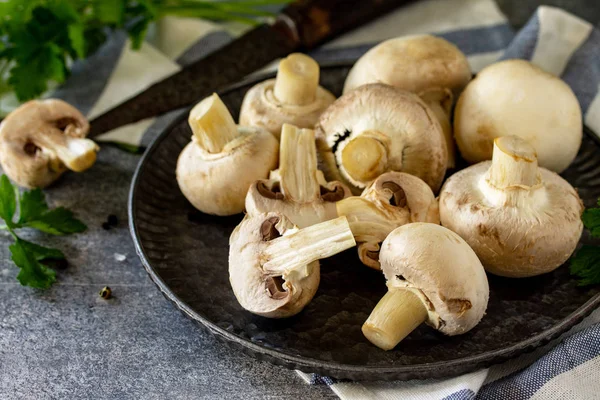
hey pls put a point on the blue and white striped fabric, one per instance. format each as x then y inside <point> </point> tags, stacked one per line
<point>568,368</point>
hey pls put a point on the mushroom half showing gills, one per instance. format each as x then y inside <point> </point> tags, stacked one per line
<point>515,97</point>
<point>377,128</point>
<point>273,265</point>
<point>429,66</point>
<point>520,219</point>
<point>40,140</point>
<point>216,169</point>
<point>295,190</point>
<point>293,97</point>
<point>392,200</point>
<point>432,276</point>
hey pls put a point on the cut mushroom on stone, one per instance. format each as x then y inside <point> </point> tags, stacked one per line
<point>274,266</point>
<point>429,66</point>
<point>293,97</point>
<point>433,276</point>
<point>377,128</point>
<point>392,200</point>
<point>515,97</point>
<point>216,169</point>
<point>521,220</point>
<point>40,140</point>
<point>295,190</point>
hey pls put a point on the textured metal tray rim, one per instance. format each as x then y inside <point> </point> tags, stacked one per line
<point>349,371</point>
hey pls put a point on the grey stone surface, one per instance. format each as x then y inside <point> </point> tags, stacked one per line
<point>67,343</point>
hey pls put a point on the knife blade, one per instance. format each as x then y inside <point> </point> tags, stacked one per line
<point>302,25</point>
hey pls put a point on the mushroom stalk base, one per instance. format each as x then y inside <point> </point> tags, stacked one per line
<point>77,154</point>
<point>297,80</point>
<point>212,124</point>
<point>367,221</point>
<point>514,164</point>
<point>397,314</point>
<point>295,251</point>
<point>364,158</point>
<point>298,164</point>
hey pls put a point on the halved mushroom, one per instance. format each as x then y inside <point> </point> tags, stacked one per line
<point>273,265</point>
<point>41,139</point>
<point>433,276</point>
<point>515,97</point>
<point>294,190</point>
<point>429,66</point>
<point>377,128</point>
<point>520,219</point>
<point>294,97</point>
<point>216,169</point>
<point>392,200</point>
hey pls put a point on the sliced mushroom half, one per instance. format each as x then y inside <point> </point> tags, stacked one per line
<point>273,265</point>
<point>296,190</point>
<point>392,200</point>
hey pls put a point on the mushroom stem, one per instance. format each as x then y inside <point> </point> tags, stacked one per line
<point>212,124</point>
<point>298,164</point>
<point>367,222</point>
<point>296,250</point>
<point>397,314</point>
<point>364,158</point>
<point>514,164</point>
<point>297,80</point>
<point>77,154</point>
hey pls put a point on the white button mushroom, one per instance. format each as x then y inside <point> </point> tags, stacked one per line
<point>520,219</point>
<point>432,276</point>
<point>429,66</point>
<point>216,169</point>
<point>294,190</point>
<point>294,97</point>
<point>40,140</point>
<point>274,267</point>
<point>377,128</point>
<point>515,97</point>
<point>392,200</point>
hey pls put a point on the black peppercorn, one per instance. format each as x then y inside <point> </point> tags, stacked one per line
<point>113,220</point>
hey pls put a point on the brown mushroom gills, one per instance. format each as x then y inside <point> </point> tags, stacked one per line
<point>398,313</point>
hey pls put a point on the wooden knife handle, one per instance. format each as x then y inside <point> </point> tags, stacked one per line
<point>311,22</point>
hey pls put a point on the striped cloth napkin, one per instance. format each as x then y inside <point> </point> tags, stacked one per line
<point>569,367</point>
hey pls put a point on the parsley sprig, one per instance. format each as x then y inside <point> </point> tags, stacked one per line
<point>34,260</point>
<point>586,263</point>
<point>39,39</point>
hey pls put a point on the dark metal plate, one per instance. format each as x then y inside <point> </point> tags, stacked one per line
<point>185,252</point>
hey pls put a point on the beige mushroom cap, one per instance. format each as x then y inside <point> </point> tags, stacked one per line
<point>439,267</point>
<point>217,183</point>
<point>414,63</point>
<point>294,97</point>
<point>519,230</point>
<point>515,97</point>
<point>392,200</point>
<point>40,140</point>
<point>378,128</point>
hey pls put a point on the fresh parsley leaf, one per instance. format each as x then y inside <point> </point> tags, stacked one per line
<point>586,265</point>
<point>32,204</point>
<point>77,37</point>
<point>41,253</point>
<point>8,200</point>
<point>58,221</point>
<point>591,220</point>
<point>33,273</point>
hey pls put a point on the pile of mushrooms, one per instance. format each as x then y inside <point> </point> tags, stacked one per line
<point>364,171</point>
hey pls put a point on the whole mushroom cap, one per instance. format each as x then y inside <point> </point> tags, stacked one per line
<point>515,97</point>
<point>216,183</point>
<point>378,128</point>
<point>440,268</point>
<point>514,234</point>
<point>41,139</point>
<point>414,63</point>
